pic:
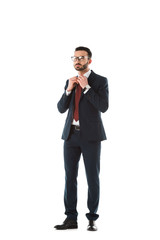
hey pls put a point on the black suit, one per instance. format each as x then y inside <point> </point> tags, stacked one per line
<point>86,141</point>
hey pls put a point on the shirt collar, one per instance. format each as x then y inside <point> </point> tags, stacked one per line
<point>87,74</point>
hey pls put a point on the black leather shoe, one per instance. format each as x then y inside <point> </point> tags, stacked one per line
<point>67,224</point>
<point>91,226</point>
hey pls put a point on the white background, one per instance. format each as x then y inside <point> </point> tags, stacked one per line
<point>36,42</point>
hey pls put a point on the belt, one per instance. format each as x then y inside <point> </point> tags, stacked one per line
<point>74,127</point>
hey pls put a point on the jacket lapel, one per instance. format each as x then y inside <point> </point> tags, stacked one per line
<point>90,82</point>
<point>91,78</point>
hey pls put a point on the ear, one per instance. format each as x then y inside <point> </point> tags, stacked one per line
<point>90,60</point>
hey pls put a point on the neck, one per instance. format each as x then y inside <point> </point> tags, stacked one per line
<point>83,71</point>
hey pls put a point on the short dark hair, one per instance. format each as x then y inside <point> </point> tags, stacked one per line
<point>84,49</point>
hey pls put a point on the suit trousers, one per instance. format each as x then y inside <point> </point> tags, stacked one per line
<point>73,148</point>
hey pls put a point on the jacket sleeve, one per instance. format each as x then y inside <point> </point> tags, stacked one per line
<point>99,99</point>
<point>64,102</point>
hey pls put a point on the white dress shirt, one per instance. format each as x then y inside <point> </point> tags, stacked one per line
<point>76,123</point>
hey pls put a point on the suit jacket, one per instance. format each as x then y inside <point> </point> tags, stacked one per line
<point>91,105</point>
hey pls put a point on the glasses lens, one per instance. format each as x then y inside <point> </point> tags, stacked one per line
<point>80,58</point>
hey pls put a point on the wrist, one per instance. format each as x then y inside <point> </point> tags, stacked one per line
<point>68,90</point>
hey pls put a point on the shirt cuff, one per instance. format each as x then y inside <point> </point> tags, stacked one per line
<point>68,92</point>
<point>87,87</point>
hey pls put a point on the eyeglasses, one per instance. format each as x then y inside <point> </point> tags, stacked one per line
<point>80,58</point>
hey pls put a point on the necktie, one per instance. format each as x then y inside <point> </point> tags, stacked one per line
<point>77,98</point>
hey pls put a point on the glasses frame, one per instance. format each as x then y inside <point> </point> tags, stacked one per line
<point>80,58</point>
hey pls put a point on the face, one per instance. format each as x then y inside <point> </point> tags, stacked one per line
<point>82,64</point>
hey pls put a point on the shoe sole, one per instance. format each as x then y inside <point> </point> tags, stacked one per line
<point>75,227</point>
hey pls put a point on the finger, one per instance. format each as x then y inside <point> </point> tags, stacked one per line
<point>81,78</point>
<point>74,80</point>
<point>79,82</point>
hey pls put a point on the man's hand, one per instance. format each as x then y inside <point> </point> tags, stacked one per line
<point>83,81</point>
<point>72,83</point>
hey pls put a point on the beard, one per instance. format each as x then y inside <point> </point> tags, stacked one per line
<point>80,67</point>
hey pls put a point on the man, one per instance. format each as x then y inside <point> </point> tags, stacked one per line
<point>85,97</point>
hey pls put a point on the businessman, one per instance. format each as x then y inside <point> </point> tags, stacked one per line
<point>85,97</point>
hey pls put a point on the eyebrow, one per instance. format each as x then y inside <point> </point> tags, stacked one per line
<point>81,56</point>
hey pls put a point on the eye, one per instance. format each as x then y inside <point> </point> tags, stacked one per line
<point>81,57</point>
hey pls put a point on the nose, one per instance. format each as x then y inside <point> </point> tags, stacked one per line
<point>76,59</point>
